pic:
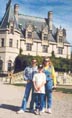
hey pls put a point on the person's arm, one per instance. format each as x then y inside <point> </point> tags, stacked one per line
<point>27,76</point>
<point>35,87</point>
<point>34,83</point>
<point>54,76</point>
<point>43,83</point>
<point>24,74</point>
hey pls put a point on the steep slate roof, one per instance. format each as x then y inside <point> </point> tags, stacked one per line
<point>35,35</point>
<point>66,41</point>
<point>37,22</point>
<point>8,16</point>
<point>51,38</point>
<point>24,21</point>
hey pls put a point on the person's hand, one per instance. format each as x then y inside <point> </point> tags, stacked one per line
<point>36,89</point>
<point>54,87</point>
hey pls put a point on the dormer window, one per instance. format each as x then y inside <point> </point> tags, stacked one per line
<point>29,34</point>
<point>45,37</point>
<point>60,39</point>
<point>45,33</point>
<point>29,30</point>
<point>11,26</point>
<point>11,29</point>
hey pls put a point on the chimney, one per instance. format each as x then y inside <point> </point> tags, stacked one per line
<point>50,20</point>
<point>16,11</point>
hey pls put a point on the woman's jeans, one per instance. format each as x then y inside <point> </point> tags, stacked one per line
<point>48,95</point>
<point>26,95</point>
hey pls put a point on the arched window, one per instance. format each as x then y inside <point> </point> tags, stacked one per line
<point>9,65</point>
<point>1,65</point>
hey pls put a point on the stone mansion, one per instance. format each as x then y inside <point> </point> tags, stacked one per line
<point>34,35</point>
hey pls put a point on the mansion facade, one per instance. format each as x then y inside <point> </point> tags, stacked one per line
<point>34,35</point>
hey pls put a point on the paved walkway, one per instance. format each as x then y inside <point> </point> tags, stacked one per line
<point>11,98</point>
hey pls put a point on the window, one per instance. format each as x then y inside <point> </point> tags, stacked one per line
<point>60,50</point>
<point>45,37</point>
<point>17,44</point>
<point>1,65</point>
<point>10,42</point>
<point>12,29</point>
<point>29,47</point>
<point>45,48</point>
<point>2,42</point>
<point>9,65</point>
<point>29,34</point>
<point>60,39</point>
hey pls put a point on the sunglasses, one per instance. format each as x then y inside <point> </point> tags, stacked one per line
<point>47,61</point>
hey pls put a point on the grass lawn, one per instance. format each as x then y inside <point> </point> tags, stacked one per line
<point>62,88</point>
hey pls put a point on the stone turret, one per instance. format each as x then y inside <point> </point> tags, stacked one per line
<point>16,11</point>
<point>50,20</point>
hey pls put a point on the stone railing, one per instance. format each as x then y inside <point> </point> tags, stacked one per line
<point>13,78</point>
<point>66,81</point>
<point>19,78</point>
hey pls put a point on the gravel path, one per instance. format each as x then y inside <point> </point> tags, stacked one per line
<point>11,98</point>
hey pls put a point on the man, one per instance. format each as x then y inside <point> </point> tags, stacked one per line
<point>28,76</point>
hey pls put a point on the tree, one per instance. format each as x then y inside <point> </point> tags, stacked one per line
<point>20,51</point>
<point>53,54</point>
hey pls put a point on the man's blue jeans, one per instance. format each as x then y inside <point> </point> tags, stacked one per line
<point>26,95</point>
<point>48,95</point>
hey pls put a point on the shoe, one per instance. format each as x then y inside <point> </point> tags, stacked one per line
<point>43,110</point>
<point>37,112</point>
<point>32,110</point>
<point>49,111</point>
<point>20,111</point>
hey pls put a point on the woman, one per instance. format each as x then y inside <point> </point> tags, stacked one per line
<point>50,82</point>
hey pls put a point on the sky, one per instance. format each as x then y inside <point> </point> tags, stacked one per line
<point>62,11</point>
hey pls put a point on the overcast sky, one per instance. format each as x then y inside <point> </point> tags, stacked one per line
<point>62,11</point>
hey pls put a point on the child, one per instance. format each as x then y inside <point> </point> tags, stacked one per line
<point>39,81</point>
